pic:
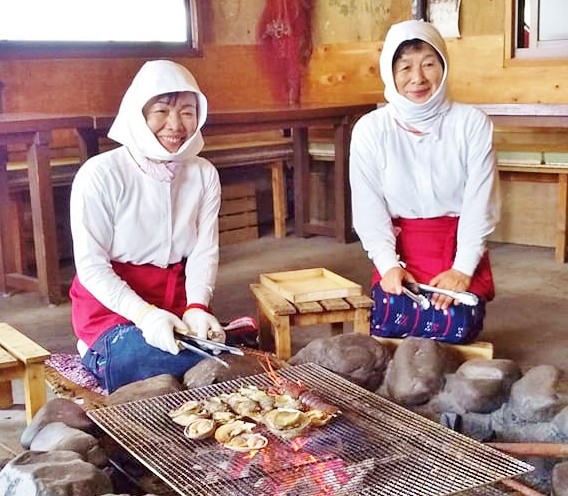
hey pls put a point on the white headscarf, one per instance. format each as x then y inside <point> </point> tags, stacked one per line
<point>418,114</point>
<point>130,129</point>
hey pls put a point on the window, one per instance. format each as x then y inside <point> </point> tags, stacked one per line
<point>98,28</point>
<point>540,30</point>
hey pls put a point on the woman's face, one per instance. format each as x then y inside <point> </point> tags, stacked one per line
<point>418,72</point>
<point>172,118</point>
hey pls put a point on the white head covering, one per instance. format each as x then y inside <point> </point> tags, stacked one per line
<point>130,129</point>
<point>406,110</point>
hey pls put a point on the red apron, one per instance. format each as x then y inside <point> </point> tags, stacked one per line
<point>164,288</point>
<point>428,247</point>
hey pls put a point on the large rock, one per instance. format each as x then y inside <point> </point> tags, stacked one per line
<point>559,479</point>
<point>504,370</point>
<point>209,371</point>
<point>416,371</point>
<point>54,473</point>
<point>60,437</point>
<point>537,397</point>
<point>57,410</point>
<point>147,388</point>
<point>357,358</point>
<point>462,395</point>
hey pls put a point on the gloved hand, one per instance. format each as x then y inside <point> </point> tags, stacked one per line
<point>204,325</point>
<point>157,327</point>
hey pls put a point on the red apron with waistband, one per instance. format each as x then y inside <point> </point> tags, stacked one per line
<point>163,287</point>
<point>428,247</point>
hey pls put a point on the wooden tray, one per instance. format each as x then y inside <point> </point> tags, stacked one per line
<point>299,286</point>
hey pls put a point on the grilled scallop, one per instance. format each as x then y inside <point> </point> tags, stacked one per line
<point>200,428</point>
<point>286,422</point>
<point>247,441</point>
<point>226,432</point>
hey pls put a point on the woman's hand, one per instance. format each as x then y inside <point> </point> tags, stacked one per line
<point>394,278</point>
<point>449,279</point>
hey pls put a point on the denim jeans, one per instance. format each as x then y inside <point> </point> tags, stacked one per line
<point>121,356</point>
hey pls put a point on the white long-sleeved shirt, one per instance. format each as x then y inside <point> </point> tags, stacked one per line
<point>450,171</point>
<point>119,213</point>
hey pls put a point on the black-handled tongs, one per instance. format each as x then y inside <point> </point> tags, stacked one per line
<point>212,345</point>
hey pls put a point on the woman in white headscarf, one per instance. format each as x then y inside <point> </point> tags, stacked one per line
<point>424,192</point>
<point>144,221</point>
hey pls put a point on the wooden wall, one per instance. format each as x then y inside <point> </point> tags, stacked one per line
<point>347,40</point>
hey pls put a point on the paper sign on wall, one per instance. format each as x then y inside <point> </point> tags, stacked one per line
<point>444,14</point>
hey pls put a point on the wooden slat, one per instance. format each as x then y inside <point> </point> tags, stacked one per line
<point>332,304</point>
<point>273,302</point>
<point>20,346</point>
<point>238,220</point>
<point>6,360</point>
<point>245,204</point>
<point>238,235</point>
<point>360,301</point>
<point>476,350</point>
<point>309,307</point>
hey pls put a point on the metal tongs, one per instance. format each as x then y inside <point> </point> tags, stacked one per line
<point>464,297</point>
<point>182,341</point>
<point>415,295</point>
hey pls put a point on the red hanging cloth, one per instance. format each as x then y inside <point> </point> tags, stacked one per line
<point>285,34</point>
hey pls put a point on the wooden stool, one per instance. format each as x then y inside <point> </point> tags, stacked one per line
<point>21,358</point>
<point>276,315</point>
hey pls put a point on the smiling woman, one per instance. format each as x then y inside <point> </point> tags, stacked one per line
<point>105,28</point>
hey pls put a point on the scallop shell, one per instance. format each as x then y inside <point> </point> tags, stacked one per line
<point>246,442</point>
<point>319,417</point>
<point>287,423</point>
<point>285,418</point>
<point>191,406</point>
<point>186,418</point>
<point>228,431</point>
<point>200,429</point>
<point>223,417</point>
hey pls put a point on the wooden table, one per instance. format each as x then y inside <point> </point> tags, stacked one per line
<point>298,120</point>
<point>34,131</point>
<point>538,117</point>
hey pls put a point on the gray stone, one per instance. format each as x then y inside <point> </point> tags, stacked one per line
<point>535,397</point>
<point>147,388</point>
<point>416,372</point>
<point>208,371</point>
<point>52,473</point>
<point>507,371</point>
<point>57,410</point>
<point>561,421</point>
<point>559,479</point>
<point>462,394</point>
<point>60,437</point>
<point>357,358</point>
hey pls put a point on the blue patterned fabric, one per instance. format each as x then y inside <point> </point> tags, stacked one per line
<point>394,316</point>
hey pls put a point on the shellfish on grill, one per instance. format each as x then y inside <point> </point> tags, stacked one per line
<point>200,428</point>
<point>247,441</point>
<point>286,422</point>
<point>226,432</point>
<point>224,417</point>
<point>187,413</point>
<point>319,417</point>
<point>264,400</point>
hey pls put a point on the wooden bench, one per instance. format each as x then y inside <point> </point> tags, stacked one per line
<point>276,317</point>
<point>21,358</point>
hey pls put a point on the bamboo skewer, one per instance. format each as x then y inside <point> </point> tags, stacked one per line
<point>520,488</point>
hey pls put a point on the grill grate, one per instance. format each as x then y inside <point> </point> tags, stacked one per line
<point>374,447</point>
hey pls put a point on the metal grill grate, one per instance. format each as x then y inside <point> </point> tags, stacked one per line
<point>374,447</point>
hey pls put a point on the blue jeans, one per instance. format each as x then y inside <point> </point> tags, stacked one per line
<point>121,356</point>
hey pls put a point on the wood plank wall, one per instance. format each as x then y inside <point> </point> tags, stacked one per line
<point>347,38</point>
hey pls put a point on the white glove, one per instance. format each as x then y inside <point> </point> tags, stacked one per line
<point>204,325</point>
<point>157,327</point>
